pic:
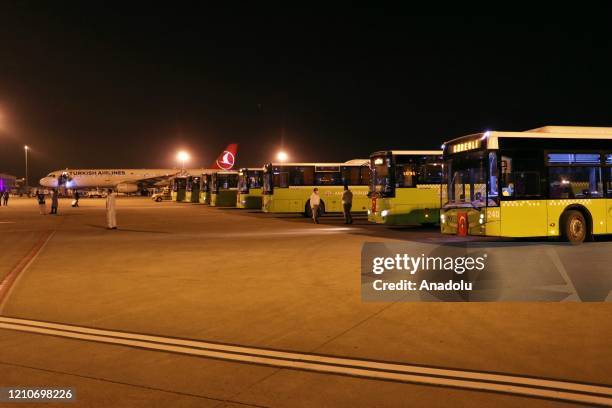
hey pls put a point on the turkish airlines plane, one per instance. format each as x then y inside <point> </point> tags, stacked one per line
<point>130,180</point>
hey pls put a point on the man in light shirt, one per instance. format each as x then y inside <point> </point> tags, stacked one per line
<point>347,203</point>
<point>315,201</point>
<point>111,210</point>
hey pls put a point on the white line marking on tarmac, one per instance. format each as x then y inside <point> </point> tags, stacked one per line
<point>556,260</point>
<point>9,282</point>
<point>473,380</point>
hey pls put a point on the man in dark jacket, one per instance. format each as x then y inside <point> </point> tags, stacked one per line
<point>347,203</point>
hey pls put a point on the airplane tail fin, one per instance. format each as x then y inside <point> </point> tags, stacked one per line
<point>227,158</point>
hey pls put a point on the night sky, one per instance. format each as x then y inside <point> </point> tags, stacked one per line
<point>102,86</point>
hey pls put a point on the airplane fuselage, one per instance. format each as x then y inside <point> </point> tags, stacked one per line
<point>111,178</point>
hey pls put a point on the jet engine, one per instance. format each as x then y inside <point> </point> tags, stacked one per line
<point>127,188</point>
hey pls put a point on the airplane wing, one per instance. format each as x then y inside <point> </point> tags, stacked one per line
<point>157,180</point>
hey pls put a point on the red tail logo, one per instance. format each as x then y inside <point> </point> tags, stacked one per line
<point>226,160</point>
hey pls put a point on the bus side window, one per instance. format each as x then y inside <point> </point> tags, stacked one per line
<point>308,176</point>
<point>575,182</point>
<point>520,177</point>
<point>405,176</point>
<point>280,179</point>
<point>350,175</point>
<point>328,178</point>
<point>430,174</point>
<point>365,175</point>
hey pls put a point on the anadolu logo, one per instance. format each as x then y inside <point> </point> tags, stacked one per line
<point>227,160</point>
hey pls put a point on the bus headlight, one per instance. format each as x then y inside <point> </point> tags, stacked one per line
<point>384,213</point>
<point>442,218</point>
<point>481,219</point>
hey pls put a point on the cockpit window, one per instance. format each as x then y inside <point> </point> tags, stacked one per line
<point>51,175</point>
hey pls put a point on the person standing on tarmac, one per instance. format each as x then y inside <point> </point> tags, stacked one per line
<point>42,206</point>
<point>54,201</point>
<point>315,201</point>
<point>111,210</point>
<point>75,202</point>
<point>5,198</point>
<point>347,203</point>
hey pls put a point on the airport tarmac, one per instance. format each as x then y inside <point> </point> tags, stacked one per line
<point>187,305</point>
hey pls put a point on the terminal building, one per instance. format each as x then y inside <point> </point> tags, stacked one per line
<point>7,182</point>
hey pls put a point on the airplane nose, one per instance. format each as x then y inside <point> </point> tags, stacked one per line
<point>46,182</point>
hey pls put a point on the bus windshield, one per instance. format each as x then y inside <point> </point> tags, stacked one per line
<point>249,179</point>
<point>224,181</point>
<point>389,172</point>
<point>466,180</point>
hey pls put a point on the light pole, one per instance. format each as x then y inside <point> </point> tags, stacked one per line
<point>26,148</point>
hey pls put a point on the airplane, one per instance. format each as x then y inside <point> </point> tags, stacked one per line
<point>130,180</point>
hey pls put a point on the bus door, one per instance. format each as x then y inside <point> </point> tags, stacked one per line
<point>226,189</point>
<point>179,188</point>
<point>525,210</point>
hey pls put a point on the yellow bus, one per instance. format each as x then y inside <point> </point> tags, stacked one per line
<point>405,187</point>
<point>287,186</point>
<point>554,181</point>
<point>250,187</point>
<point>192,190</point>
<point>179,188</point>
<point>223,188</point>
<point>205,186</point>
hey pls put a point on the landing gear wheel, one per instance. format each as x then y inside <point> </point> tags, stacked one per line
<point>574,227</point>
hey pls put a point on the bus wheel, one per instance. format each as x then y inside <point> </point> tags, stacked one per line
<point>321,208</point>
<point>574,227</point>
<point>307,210</point>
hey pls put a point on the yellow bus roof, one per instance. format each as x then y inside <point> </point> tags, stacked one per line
<point>409,152</point>
<point>354,162</point>
<point>545,132</point>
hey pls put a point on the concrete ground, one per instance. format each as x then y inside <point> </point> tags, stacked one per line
<point>263,281</point>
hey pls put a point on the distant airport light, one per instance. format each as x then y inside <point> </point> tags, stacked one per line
<point>25,149</point>
<point>282,156</point>
<point>183,157</point>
